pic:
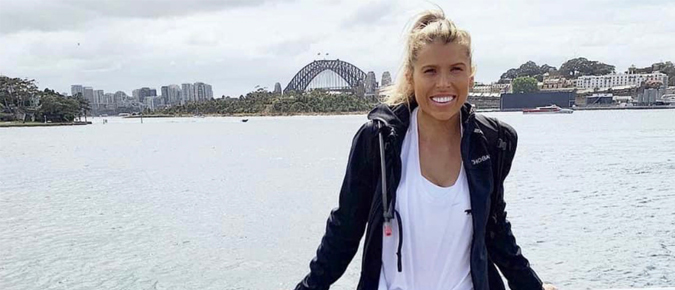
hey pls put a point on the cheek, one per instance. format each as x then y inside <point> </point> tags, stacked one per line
<point>463,83</point>
<point>422,85</point>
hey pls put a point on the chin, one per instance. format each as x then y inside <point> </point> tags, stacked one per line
<point>444,115</point>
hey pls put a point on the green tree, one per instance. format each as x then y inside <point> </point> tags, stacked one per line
<point>56,107</point>
<point>581,66</point>
<point>83,104</point>
<point>17,95</point>
<point>528,69</point>
<point>525,85</point>
<point>262,101</point>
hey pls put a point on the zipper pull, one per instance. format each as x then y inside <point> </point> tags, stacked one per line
<point>387,229</point>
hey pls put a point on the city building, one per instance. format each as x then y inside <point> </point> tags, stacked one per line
<point>175,95</point>
<point>136,95</point>
<point>119,98</point>
<point>165,93</point>
<point>171,95</point>
<point>88,94</point>
<point>76,89</point>
<point>188,93</point>
<point>202,91</point>
<point>209,92</point>
<point>277,88</point>
<point>484,101</point>
<point>144,93</point>
<point>616,80</point>
<point>556,82</point>
<point>370,83</point>
<point>493,88</point>
<point>109,101</point>
<point>98,98</point>
<point>149,103</point>
<point>386,79</point>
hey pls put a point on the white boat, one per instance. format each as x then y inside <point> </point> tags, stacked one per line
<point>552,109</point>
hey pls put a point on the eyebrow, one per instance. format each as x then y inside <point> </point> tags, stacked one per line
<point>435,66</point>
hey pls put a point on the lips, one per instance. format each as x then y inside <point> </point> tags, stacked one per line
<point>443,99</point>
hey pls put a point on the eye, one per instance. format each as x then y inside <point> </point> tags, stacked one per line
<point>456,69</point>
<point>429,71</point>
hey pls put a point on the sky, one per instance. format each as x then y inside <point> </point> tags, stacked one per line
<point>236,45</point>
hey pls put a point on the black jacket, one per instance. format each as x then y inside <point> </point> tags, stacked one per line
<point>487,147</point>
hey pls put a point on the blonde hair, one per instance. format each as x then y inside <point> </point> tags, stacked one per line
<point>430,26</point>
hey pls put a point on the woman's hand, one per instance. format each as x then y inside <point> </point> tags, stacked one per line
<point>549,287</point>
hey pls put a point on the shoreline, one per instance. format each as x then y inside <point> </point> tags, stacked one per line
<point>486,110</point>
<point>624,108</point>
<point>252,115</point>
<point>35,124</point>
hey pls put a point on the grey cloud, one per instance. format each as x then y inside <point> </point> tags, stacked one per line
<point>56,15</point>
<point>293,47</point>
<point>369,14</point>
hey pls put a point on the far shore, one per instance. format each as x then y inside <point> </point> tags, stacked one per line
<point>483,110</point>
<point>38,124</point>
<point>250,115</point>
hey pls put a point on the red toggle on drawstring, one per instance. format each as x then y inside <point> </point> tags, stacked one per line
<point>387,229</point>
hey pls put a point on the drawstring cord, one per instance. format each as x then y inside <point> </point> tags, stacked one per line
<point>400,241</point>
<point>388,216</point>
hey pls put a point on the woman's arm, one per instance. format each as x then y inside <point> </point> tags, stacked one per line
<point>501,244</point>
<point>346,223</point>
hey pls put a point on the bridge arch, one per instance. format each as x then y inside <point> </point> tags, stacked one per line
<point>353,75</point>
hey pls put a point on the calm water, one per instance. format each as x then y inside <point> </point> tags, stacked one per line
<point>215,203</point>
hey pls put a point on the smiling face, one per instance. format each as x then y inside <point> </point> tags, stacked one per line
<point>441,78</point>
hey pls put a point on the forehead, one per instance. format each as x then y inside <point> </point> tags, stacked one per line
<point>437,53</point>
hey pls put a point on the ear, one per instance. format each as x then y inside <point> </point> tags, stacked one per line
<point>471,82</point>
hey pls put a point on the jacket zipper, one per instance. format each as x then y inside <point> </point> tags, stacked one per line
<point>468,175</point>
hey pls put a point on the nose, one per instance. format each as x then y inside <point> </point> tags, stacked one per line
<point>445,80</point>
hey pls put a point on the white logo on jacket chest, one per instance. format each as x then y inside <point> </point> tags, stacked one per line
<point>480,160</point>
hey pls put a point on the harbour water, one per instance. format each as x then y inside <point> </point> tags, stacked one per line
<point>215,203</point>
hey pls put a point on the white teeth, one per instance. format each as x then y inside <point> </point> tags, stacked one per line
<point>443,99</point>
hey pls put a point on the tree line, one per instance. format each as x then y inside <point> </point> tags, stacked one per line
<point>20,99</point>
<point>525,77</point>
<point>263,102</point>
<point>570,69</point>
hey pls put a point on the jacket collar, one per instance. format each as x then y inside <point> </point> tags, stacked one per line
<point>398,116</point>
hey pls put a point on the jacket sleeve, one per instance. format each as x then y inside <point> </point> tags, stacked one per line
<point>346,223</point>
<point>501,244</point>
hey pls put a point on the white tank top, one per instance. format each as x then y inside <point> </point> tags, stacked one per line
<point>437,229</point>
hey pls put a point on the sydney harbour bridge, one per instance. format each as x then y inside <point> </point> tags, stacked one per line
<point>336,76</point>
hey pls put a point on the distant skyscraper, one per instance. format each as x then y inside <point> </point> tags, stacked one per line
<point>277,88</point>
<point>209,91</point>
<point>75,89</point>
<point>109,101</point>
<point>146,92</point>
<point>188,93</point>
<point>174,95</point>
<point>119,98</point>
<point>201,93</point>
<point>371,83</point>
<point>99,97</point>
<point>136,94</point>
<point>88,94</point>
<point>386,79</point>
<point>150,102</point>
<point>165,94</point>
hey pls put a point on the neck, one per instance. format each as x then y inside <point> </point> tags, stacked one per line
<point>433,130</point>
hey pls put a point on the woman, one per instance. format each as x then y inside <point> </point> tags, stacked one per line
<point>425,176</point>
